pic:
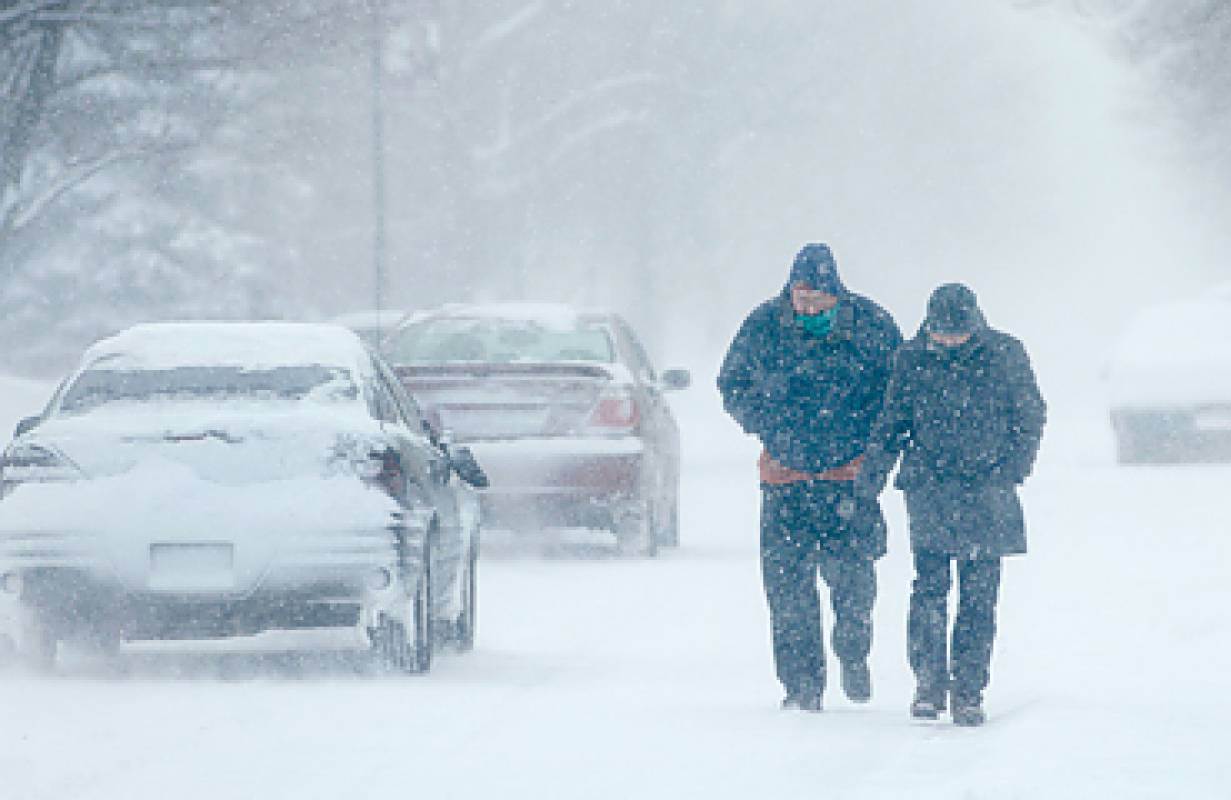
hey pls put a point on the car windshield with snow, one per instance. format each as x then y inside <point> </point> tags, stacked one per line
<point>562,407</point>
<point>206,480</point>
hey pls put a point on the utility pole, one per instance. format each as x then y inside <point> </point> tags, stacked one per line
<point>377,13</point>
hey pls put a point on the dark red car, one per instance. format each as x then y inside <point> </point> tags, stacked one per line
<point>564,410</point>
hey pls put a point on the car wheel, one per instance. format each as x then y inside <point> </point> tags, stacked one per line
<point>8,650</point>
<point>39,644</point>
<point>467,620</point>
<point>390,651</point>
<point>420,660</point>
<point>636,534</point>
<point>669,530</point>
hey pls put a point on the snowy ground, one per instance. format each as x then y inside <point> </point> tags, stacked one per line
<point>597,677</point>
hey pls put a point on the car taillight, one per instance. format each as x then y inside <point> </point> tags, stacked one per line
<point>615,410</point>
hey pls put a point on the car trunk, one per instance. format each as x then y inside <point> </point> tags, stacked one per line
<point>508,401</point>
<point>229,449</point>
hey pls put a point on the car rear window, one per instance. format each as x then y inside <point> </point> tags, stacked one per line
<point>101,387</point>
<point>491,340</point>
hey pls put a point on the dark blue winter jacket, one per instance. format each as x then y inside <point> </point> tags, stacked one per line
<point>972,415</point>
<point>967,422</point>
<point>810,400</point>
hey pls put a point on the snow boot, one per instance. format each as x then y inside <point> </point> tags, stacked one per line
<point>802,702</point>
<point>928,703</point>
<point>968,709</point>
<point>806,698</point>
<point>857,681</point>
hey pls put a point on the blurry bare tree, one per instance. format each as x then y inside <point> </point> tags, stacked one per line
<point>566,143</point>
<point>1183,46</point>
<point>172,158</point>
<point>121,154</point>
<point>1186,43</point>
<point>189,158</point>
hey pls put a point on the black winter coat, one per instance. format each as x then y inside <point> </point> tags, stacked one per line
<point>812,401</point>
<point>968,422</point>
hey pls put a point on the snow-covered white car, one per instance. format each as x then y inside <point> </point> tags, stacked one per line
<point>207,480</point>
<point>1169,383</point>
<point>562,407</point>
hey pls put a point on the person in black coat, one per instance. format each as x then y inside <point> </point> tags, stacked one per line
<point>965,412</point>
<point>806,375</point>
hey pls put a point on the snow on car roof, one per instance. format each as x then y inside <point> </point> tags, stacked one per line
<point>556,316</point>
<point>371,318</point>
<point>1187,332</point>
<point>161,345</point>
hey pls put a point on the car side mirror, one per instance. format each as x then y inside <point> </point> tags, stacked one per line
<point>26,425</point>
<point>676,379</point>
<point>467,467</point>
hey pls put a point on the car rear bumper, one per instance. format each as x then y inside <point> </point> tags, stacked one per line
<point>1173,434</point>
<point>78,582</point>
<point>560,482</point>
<point>69,600</point>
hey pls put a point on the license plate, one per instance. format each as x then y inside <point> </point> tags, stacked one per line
<point>192,566</point>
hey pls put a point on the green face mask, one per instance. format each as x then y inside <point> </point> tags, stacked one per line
<point>818,325</point>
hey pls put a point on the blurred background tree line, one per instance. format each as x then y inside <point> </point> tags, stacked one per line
<point>181,158</point>
<point>164,159</point>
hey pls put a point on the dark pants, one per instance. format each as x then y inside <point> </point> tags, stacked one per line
<point>965,666</point>
<point>793,552</point>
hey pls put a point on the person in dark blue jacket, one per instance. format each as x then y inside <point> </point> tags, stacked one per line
<point>806,375</point>
<point>964,410</point>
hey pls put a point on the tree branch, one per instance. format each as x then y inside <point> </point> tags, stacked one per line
<point>23,216</point>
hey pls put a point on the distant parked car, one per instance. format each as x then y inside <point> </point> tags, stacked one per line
<point>1169,380</point>
<point>372,325</point>
<point>563,408</point>
<point>204,480</point>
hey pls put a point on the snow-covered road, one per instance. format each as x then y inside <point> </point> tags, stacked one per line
<point>598,677</point>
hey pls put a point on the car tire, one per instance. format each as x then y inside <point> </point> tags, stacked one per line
<point>421,651</point>
<point>389,647</point>
<point>467,619</point>
<point>669,530</point>
<point>40,645</point>
<point>636,534</point>
<point>392,650</point>
<point>8,651</point>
